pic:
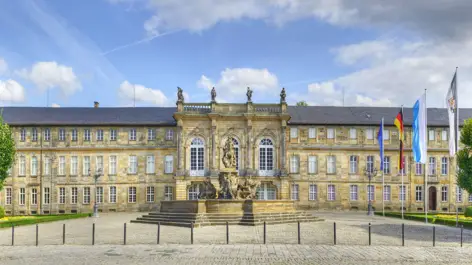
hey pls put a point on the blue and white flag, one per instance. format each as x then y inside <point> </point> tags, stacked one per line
<point>419,130</point>
<point>380,139</point>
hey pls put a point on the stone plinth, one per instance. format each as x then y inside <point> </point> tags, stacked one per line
<point>228,206</point>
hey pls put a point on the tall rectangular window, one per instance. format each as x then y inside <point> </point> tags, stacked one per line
<point>353,191</point>
<point>23,135</point>
<point>74,195</point>
<point>432,166</point>
<point>369,134</point>
<point>419,193</point>
<point>112,166</point>
<point>62,134</point>
<point>87,135</point>
<point>151,134</point>
<point>168,193</point>
<point>150,164</point>
<point>22,196</point>
<point>386,135</point>
<point>312,133</point>
<point>47,166</point>
<point>73,135</point>
<point>8,196</point>
<point>99,194</point>
<point>458,194</point>
<point>331,160</point>
<point>294,193</point>
<point>47,134</point>
<point>99,163</point>
<point>34,135</point>
<point>34,196</point>
<point>293,132</point>
<point>86,199</point>
<point>313,192</point>
<point>444,135</point>
<point>86,166</point>
<point>99,135</point>
<point>34,166</point>
<point>330,133</point>
<point>312,165</point>
<point>386,166</point>
<point>22,166</point>
<point>169,164</point>
<point>431,135</point>
<point>353,133</point>
<point>132,134</point>
<point>113,135</point>
<point>444,165</point>
<point>150,194</point>
<point>331,192</point>
<point>46,197</point>
<point>74,166</point>
<point>402,193</point>
<point>418,169</point>
<point>112,195</point>
<point>294,164</point>
<point>62,195</point>
<point>169,135</point>
<point>132,165</point>
<point>370,192</point>
<point>444,194</point>
<point>62,165</point>
<point>386,193</point>
<point>370,164</point>
<point>353,164</point>
<point>132,194</point>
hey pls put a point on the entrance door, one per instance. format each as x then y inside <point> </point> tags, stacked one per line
<point>432,199</point>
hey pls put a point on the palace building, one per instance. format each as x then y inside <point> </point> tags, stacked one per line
<point>315,155</point>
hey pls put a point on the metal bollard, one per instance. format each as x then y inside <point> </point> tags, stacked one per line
<point>299,239</point>
<point>403,235</point>
<point>63,234</point>
<point>13,235</point>
<point>158,232</point>
<point>370,240</point>
<point>264,232</point>
<point>462,231</point>
<point>37,234</point>
<point>334,230</point>
<point>93,234</point>
<point>434,236</point>
<point>124,234</point>
<point>227,233</point>
<point>191,233</point>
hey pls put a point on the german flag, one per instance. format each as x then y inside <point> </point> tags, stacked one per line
<point>399,123</point>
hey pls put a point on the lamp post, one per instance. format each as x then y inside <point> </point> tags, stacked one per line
<point>370,171</point>
<point>97,174</point>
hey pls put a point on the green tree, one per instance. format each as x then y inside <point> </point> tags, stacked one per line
<point>7,150</point>
<point>464,158</point>
<point>302,103</point>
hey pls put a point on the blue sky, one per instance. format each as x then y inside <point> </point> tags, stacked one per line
<point>104,50</point>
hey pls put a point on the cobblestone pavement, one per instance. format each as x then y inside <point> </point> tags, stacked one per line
<point>351,229</point>
<point>232,254</point>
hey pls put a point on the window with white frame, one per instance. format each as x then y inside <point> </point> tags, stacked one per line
<point>293,132</point>
<point>132,194</point>
<point>132,164</point>
<point>193,191</point>
<point>62,195</point>
<point>313,192</point>
<point>266,191</point>
<point>62,166</point>
<point>353,164</point>
<point>266,157</point>
<point>431,135</point>
<point>34,135</point>
<point>99,194</point>
<point>418,169</point>
<point>370,164</point>
<point>386,134</point>
<point>151,134</point>
<point>387,193</point>
<point>419,193</point>
<point>458,194</point>
<point>34,196</point>
<point>150,194</point>
<point>8,197</point>
<point>370,192</point>
<point>168,193</point>
<point>112,195</point>
<point>23,135</point>
<point>312,133</point>
<point>132,134</point>
<point>87,135</point>
<point>197,157</point>
<point>62,134</point>
<point>294,192</point>
<point>386,165</point>
<point>22,196</point>
<point>432,166</point>
<point>169,164</point>
<point>22,166</point>
<point>312,165</point>
<point>46,197</point>
<point>444,165</point>
<point>294,164</point>
<point>73,135</point>
<point>150,162</point>
<point>74,195</point>
<point>402,193</point>
<point>47,166</point>
<point>113,135</point>
<point>353,192</point>
<point>331,192</point>
<point>444,195</point>
<point>169,135</point>
<point>236,151</point>
<point>86,197</point>
<point>34,166</point>
<point>74,165</point>
<point>99,163</point>
<point>444,135</point>
<point>112,165</point>
<point>47,134</point>
<point>9,171</point>
<point>353,133</point>
<point>470,197</point>
<point>330,132</point>
<point>86,166</point>
<point>99,135</point>
<point>331,164</point>
<point>369,133</point>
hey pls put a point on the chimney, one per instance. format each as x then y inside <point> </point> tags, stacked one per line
<point>96,104</point>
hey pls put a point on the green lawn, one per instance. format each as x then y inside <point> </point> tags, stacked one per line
<point>8,221</point>
<point>442,219</point>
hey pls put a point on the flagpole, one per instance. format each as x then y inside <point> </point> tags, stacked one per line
<point>457,115</point>
<point>383,170</point>
<point>426,163</point>
<point>403,165</point>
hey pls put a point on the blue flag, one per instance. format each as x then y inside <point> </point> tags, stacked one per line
<point>419,144</point>
<point>380,139</point>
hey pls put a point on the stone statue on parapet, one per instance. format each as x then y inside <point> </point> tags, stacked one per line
<point>180,95</point>
<point>249,94</point>
<point>208,191</point>
<point>213,95</point>
<point>283,95</point>
<point>229,156</point>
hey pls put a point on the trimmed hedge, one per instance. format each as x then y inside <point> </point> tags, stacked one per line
<point>2,212</point>
<point>35,219</point>
<point>468,211</point>
<point>431,219</point>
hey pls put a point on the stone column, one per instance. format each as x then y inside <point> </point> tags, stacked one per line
<point>180,153</point>
<point>213,148</point>
<point>249,148</point>
<point>283,149</point>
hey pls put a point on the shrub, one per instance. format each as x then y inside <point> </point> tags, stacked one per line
<point>2,212</point>
<point>468,211</point>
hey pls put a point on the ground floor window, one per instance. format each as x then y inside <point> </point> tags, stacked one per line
<point>313,192</point>
<point>168,193</point>
<point>193,191</point>
<point>266,191</point>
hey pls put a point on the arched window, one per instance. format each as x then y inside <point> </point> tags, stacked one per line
<point>197,157</point>
<point>266,157</point>
<point>236,151</point>
<point>266,191</point>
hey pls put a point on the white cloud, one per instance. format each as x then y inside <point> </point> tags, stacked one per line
<point>144,94</point>
<point>55,105</point>
<point>3,66</point>
<point>49,75</point>
<point>234,82</point>
<point>11,91</point>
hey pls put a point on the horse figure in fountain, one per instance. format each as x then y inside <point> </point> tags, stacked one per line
<point>208,191</point>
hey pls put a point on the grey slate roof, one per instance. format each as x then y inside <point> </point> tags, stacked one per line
<point>158,116</point>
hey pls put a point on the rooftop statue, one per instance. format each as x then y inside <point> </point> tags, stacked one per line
<point>249,94</point>
<point>180,95</point>
<point>213,95</point>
